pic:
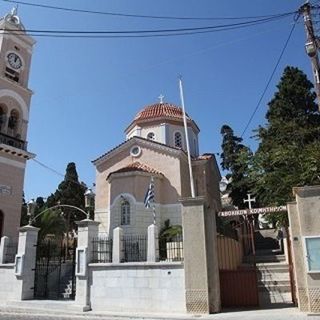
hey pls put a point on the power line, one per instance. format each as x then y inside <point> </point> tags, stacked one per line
<point>140,33</point>
<point>271,76</point>
<point>127,15</point>
<point>57,172</point>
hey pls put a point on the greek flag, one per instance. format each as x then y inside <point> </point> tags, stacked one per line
<point>149,195</point>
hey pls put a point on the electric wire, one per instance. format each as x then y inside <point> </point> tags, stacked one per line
<point>127,15</point>
<point>138,33</point>
<point>56,172</point>
<point>271,76</point>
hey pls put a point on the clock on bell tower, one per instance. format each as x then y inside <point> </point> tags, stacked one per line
<point>15,96</point>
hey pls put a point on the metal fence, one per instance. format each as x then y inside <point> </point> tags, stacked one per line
<point>11,252</point>
<point>171,249</point>
<point>135,248</point>
<point>101,250</point>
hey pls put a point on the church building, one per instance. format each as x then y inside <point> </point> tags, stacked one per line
<point>15,96</point>
<point>155,146</point>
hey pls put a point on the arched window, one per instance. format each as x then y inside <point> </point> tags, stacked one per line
<point>13,122</point>
<point>150,136</point>
<point>2,118</point>
<point>1,223</point>
<point>125,212</point>
<point>178,140</point>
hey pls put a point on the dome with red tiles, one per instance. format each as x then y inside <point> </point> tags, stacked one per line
<point>160,110</point>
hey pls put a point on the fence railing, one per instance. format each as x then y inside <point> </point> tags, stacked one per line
<point>134,248</point>
<point>11,252</point>
<point>101,250</point>
<point>171,249</point>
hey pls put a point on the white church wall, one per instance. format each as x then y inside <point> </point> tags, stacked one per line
<point>193,138</point>
<point>138,287</point>
<point>157,130</point>
<point>134,132</point>
<point>141,217</point>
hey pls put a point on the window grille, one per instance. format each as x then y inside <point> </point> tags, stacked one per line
<point>151,136</point>
<point>125,212</point>
<point>101,250</point>
<point>134,248</point>
<point>178,140</point>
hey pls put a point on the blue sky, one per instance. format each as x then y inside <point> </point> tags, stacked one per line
<point>86,91</point>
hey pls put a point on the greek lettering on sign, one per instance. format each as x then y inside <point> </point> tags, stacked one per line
<point>251,211</point>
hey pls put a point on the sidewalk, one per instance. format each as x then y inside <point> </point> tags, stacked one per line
<point>52,310</point>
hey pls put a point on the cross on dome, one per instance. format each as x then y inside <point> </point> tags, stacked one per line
<point>161,98</point>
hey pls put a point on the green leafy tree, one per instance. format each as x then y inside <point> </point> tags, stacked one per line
<point>289,151</point>
<point>236,160</point>
<point>71,192</point>
<point>24,219</point>
<point>51,222</point>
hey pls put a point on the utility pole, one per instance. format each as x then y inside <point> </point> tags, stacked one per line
<point>312,46</point>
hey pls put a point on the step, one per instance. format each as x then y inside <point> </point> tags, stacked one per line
<point>268,252</point>
<point>273,282</point>
<point>272,289</point>
<point>272,266</point>
<point>271,258</point>
<point>265,277</point>
<point>266,299</point>
<point>65,306</point>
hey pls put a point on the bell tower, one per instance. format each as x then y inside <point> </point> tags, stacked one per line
<point>15,96</point>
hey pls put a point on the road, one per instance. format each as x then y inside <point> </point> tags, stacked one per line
<point>274,314</point>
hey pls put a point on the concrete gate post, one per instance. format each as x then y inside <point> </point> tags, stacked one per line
<point>87,230</point>
<point>26,261</point>
<point>4,249</point>
<point>117,245</point>
<point>305,239</point>
<point>200,257</point>
<point>153,244</point>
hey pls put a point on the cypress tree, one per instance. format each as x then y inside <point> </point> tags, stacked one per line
<point>289,151</point>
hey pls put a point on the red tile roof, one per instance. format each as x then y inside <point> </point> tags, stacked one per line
<point>205,156</point>
<point>160,110</point>
<point>137,166</point>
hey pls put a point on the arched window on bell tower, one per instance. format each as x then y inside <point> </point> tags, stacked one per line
<point>13,123</point>
<point>1,223</point>
<point>3,118</point>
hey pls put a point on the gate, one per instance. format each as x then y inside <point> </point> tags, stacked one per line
<point>55,269</point>
<point>237,265</point>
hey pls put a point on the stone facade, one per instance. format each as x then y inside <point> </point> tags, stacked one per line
<point>157,287</point>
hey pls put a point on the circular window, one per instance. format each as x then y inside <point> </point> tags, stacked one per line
<point>135,151</point>
<point>150,136</point>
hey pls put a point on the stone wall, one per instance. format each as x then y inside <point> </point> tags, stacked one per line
<point>138,287</point>
<point>10,288</point>
<point>305,223</point>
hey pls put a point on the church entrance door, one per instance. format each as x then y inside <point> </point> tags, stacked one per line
<point>55,269</point>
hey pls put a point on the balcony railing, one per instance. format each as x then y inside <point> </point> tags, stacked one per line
<point>13,142</point>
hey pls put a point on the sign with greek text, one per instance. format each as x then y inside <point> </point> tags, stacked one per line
<point>251,211</point>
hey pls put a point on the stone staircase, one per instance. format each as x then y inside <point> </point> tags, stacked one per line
<point>67,290</point>
<point>272,270</point>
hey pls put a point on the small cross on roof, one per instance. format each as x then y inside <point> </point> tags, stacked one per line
<point>161,98</point>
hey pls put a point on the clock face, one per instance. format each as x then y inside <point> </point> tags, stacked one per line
<point>14,60</point>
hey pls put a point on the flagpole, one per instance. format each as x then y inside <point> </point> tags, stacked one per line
<point>187,138</point>
<point>154,213</point>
